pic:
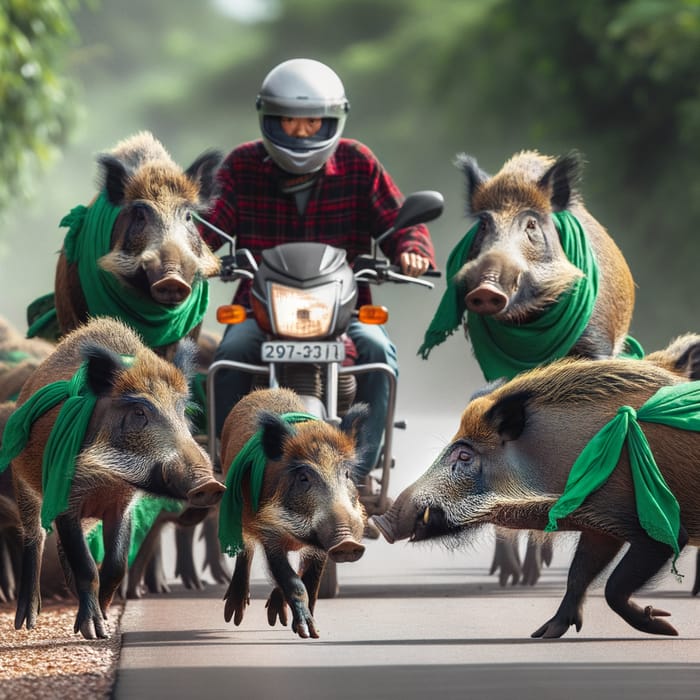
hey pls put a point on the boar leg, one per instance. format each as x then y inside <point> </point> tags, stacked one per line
<point>593,553</point>
<point>185,567</point>
<point>294,591</point>
<point>237,596</point>
<point>212,550</point>
<point>312,567</point>
<point>696,585</point>
<point>116,533</point>
<point>89,621</point>
<point>277,608</point>
<point>506,559</point>
<point>29,592</point>
<point>642,560</point>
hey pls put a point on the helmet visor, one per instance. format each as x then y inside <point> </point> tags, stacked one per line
<point>272,128</point>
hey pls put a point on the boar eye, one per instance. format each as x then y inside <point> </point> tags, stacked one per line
<point>532,230</point>
<point>463,459</point>
<point>135,419</point>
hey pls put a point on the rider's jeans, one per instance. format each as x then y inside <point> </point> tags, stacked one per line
<point>241,342</point>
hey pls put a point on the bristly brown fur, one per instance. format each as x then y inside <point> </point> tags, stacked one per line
<point>509,191</point>
<point>515,185</point>
<point>139,378</point>
<point>588,381</point>
<point>158,184</point>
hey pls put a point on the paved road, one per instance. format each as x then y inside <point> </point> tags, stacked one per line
<point>412,622</point>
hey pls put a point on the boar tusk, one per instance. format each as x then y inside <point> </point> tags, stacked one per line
<point>426,515</point>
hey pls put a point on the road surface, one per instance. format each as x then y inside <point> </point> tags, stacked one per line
<point>413,622</point>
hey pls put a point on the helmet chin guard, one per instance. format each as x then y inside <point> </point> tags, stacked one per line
<point>301,87</point>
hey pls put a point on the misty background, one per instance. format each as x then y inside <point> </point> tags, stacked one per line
<point>615,80</point>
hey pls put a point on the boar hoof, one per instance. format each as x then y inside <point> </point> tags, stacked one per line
<point>558,625</point>
<point>277,608</point>
<point>649,620</point>
<point>236,603</point>
<point>90,619</point>
<point>304,624</point>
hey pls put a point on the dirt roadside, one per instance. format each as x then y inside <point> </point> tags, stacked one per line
<point>51,662</point>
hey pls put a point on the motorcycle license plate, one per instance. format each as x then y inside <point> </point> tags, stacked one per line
<point>299,351</point>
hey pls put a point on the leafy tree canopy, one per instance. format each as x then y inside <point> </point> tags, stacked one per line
<point>37,99</point>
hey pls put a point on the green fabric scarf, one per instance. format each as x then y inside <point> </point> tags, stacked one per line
<point>64,443</point>
<point>88,240</point>
<point>144,511</point>
<point>657,508</point>
<point>504,350</point>
<point>250,458</point>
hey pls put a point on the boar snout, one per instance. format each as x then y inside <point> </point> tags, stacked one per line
<point>170,290</point>
<point>401,521</point>
<point>206,494</point>
<point>347,550</point>
<point>486,299</point>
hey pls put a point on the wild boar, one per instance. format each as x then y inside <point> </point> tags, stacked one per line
<point>510,460</point>
<point>307,501</point>
<point>538,278</point>
<point>19,357</point>
<point>135,253</point>
<point>134,434</point>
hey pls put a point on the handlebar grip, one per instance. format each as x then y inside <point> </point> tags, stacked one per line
<point>432,273</point>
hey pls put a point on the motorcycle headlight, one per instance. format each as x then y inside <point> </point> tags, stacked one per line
<point>303,313</point>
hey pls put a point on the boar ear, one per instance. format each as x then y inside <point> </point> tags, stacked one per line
<point>185,357</point>
<point>114,178</point>
<point>203,171</point>
<point>275,432</point>
<point>103,366</point>
<point>354,420</point>
<point>562,179</point>
<point>474,175</point>
<point>509,414</point>
<point>689,361</point>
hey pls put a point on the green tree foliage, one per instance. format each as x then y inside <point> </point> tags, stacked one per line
<point>36,97</point>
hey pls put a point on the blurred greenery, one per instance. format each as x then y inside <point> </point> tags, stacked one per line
<point>617,80</point>
<point>36,96</point>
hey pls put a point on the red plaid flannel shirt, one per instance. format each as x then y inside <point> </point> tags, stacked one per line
<point>352,199</point>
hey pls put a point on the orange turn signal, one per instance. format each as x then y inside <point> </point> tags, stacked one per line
<point>375,315</point>
<point>231,314</point>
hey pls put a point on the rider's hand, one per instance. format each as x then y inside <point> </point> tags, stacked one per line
<point>413,264</point>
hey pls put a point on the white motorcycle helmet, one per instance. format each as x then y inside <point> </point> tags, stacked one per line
<point>301,87</point>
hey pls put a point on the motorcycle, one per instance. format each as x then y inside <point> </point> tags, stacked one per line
<point>304,297</point>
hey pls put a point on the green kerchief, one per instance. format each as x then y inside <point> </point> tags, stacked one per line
<point>657,508</point>
<point>250,458</point>
<point>504,350</point>
<point>65,440</point>
<point>88,240</point>
<point>144,511</point>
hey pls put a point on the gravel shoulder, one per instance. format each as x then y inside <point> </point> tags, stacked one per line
<point>51,661</point>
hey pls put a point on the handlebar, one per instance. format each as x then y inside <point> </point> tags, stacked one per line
<point>377,271</point>
<point>367,269</point>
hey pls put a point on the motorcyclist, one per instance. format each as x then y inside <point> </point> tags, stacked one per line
<point>303,182</point>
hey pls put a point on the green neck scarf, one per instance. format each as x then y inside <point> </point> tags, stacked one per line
<point>144,511</point>
<point>64,443</point>
<point>657,508</point>
<point>504,350</point>
<point>88,240</point>
<point>250,458</point>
